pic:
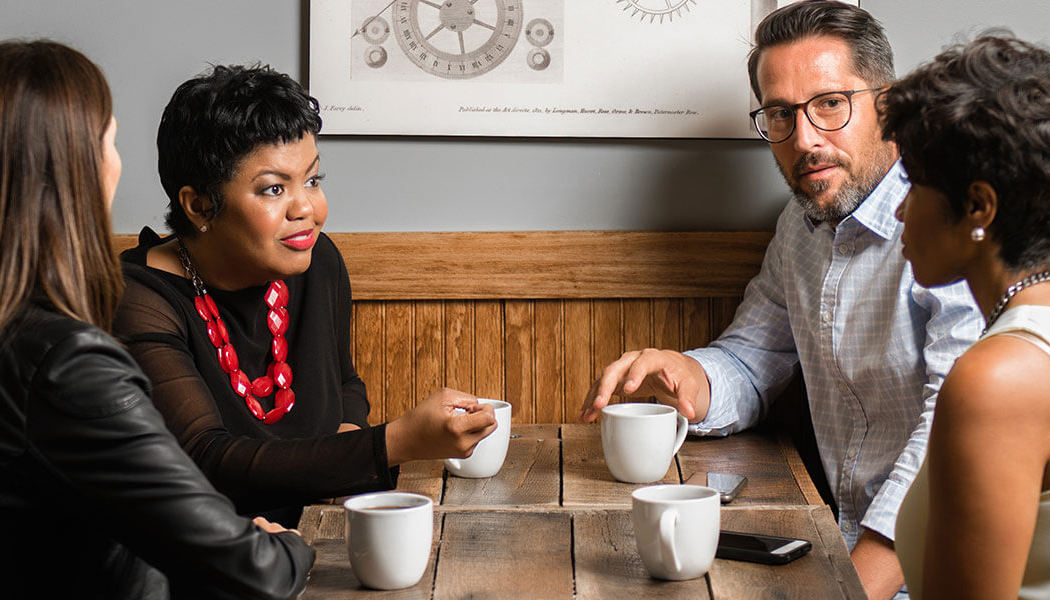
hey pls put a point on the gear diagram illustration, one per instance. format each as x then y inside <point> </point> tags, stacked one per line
<point>535,68</point>
<point>457,39</point>
<point>656,9</point>
<point>375,30</point>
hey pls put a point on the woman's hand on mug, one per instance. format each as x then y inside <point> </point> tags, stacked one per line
<point>435,429</point>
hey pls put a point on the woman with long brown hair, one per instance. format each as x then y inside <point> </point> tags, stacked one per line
<point>97,499</point>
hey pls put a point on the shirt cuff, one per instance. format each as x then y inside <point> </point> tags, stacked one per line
<point>721,414</point>
<point>881,516</point>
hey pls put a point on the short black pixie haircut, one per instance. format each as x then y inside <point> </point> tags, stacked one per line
<point>981,112</point>
<point>215,120</point>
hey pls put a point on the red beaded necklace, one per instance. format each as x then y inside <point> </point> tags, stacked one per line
<point>278,374</point>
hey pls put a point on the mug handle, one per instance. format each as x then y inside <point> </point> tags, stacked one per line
<point>683,429</point>
<point>668,519</point>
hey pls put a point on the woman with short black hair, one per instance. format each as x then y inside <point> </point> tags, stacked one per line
<point>241,318</point>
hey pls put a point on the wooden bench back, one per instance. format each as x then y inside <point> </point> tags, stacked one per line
<point>531,317</point>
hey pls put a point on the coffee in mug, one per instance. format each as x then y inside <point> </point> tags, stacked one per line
<point>640,440</point>
<point>490,452</point>
<point>388,538</point>
<point>676,529</point>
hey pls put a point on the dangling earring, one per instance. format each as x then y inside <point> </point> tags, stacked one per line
<point>977,234</point>
<point>204,229</point>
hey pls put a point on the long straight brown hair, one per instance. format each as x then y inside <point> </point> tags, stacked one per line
<point>55,234</point>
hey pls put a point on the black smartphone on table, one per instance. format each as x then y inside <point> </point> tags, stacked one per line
<point>765,549</point>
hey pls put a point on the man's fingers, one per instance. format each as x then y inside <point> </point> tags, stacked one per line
<point>646,364</point>
<point>598,397</point>
<point>686,396</point>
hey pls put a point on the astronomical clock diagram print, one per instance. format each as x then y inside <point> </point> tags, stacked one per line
<point>546,68</point>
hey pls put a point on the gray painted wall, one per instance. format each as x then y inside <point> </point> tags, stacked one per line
<point>148,47</point>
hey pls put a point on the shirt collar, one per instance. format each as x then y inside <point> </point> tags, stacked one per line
<point>877,211</point>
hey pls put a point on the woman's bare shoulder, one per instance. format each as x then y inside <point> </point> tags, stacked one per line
<point>1000,376</point>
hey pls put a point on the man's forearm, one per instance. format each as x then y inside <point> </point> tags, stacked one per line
<point>877,565</point>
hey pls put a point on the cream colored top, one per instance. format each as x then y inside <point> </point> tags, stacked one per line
<point>1033,324</point>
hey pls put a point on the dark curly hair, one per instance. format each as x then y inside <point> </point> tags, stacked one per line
<point>870,51</point>
<point>981,112</point>
<point>215,120</point>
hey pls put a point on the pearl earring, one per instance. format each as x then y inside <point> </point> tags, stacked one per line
<point>204,229</point>
<point>977,234</point>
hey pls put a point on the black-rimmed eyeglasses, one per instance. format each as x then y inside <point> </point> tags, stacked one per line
<point>829,111</point>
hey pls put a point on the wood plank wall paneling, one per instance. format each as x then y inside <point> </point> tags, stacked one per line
<point>530,317</point>
<point>539,355</point>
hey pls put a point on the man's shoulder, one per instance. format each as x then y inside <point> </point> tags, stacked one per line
<point>792,220</point>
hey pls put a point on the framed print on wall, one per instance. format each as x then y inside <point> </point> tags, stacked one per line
<point>563,68</point>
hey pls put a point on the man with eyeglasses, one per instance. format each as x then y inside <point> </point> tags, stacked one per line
<point>834,295</point>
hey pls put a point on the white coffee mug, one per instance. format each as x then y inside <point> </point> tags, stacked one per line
<point>490,452</point>
<point>388,537</point>
<point>676,529</point>
<point>640,440</point>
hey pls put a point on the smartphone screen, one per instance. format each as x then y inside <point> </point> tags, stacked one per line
<point>766,549</point>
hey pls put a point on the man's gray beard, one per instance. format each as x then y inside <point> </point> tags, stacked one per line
<point>853,191</point>
<point>843,204</point>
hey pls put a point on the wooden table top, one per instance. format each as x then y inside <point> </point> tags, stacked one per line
<point>553,523</point>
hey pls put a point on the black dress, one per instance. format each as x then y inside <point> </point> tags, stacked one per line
<point>268,470</point>
<point>97,499</point>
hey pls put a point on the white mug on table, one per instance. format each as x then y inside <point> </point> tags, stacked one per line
<point>489,453</point>
<point>388,538</point>
<point>676,528</point>
<point>641,439</point>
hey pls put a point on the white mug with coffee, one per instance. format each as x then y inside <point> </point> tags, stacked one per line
<point>640,440</point>
<point>388,537</point>
<point>676,529</point>
<point>490,452</point>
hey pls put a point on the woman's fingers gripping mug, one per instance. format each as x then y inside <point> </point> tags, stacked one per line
<point>388,537</point>
<point>490,452</point>
<point>676,529</point>
<point>640,440</point>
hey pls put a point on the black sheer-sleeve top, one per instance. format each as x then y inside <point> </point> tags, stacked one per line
<point>272,470</point>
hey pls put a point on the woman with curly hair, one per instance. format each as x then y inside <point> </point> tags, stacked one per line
<point>973,128</point>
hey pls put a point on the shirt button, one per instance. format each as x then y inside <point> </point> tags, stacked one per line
<point>826,316</point>
<point>847,526</point>
<point>843,249</point>
<point>851,454</point>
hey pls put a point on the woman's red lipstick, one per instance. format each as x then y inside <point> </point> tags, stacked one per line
<point>303,240</point>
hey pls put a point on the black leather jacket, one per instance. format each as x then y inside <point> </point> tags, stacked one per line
<point>97,499</point>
